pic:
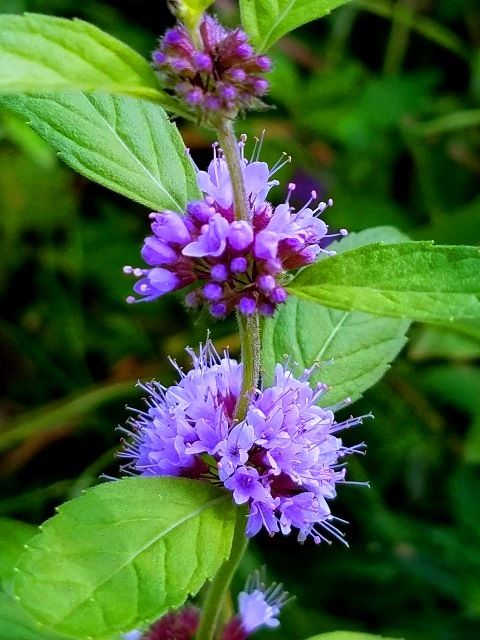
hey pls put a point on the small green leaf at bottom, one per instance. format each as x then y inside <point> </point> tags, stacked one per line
<point>124,553</point>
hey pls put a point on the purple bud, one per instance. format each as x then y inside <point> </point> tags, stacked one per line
<point>227,92</point>
<point>266,309</point>
<point>219,273</point>
<point>211,103</point>
<point>244,50</point>
<point>192,299</point>
<point>240,235</point>
<point>202,61</point>
<point>173,37</point>
<point>264,63</point>
<point>239,265</point>
<point>155,252</point>
<point>170,227</point>
<point>200,210</point>
<point>179,65</point>
<point>247,305</point>
<point>274,266</point>
<point>195,96</point>
<point>278,295</point>
<point>266,283</point>
<point>212,291</point>
<point>237,75</point>
<point>159,58</point>
<point>218,310</point>
<point>259,86</point>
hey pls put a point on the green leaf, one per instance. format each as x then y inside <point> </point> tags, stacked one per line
<point>190,11</point>
<point>348,635</point>
<point>40,53</point>
<point>355,348</point>
<point>13,534</point>
<point>415,280</point>
<point>127,145</point>
<point>17,624</point>
<point>124,553</point>
<point>266,21</point>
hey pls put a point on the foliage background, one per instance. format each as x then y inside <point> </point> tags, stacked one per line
<point>378,105</point>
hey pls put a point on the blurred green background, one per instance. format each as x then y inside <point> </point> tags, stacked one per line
<point>379,107</point>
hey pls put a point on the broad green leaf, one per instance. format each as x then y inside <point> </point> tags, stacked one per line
<point>353,349</point>
<point>415,280</point>
<point>127,145</point>
<point>124,553</point>
<point>17,624</point>
<point>13,536</point>
<point>349,635</point>
<point>40,53</point>
<point>266,21</point>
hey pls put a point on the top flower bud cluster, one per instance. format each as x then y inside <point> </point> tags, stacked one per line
<point>219,74</point>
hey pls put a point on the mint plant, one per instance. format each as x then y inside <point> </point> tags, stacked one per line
<point>235,447</point>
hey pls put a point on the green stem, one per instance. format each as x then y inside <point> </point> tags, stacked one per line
<point>218,590</point>
<point>251,357</point>
<point>249,326</point>
<point>228,142</point>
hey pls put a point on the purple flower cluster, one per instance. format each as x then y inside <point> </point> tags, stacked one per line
<point>283,460</point>
<point>220,74</point>
<point>258,606</point>
<point>241,264</point>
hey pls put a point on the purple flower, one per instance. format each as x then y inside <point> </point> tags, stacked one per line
<point>219,73</point>
<point>239,264</point>
<point>258,606</point>
<point>284,460</point>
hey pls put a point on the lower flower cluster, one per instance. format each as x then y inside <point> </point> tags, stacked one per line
<point>284,459</point>
<point>258,607</point>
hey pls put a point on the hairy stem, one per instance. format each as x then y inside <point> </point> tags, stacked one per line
<point>249,326</point>
<point>251,357</point>
<point>228,142</point>
<point>219,587</point>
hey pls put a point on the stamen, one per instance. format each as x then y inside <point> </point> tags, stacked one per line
<point>291,188</point>
<point>258,147</point>
<point>281,162</point>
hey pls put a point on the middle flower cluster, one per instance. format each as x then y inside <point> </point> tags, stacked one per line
<point>284,459</point>
<point>240,263</point>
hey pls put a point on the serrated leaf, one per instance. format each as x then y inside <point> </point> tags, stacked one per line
<point>415,280</point>
<point>40,53</point>
<point>124,553</point>
<point>266,21</point>
<point>13,536</point>
<point>354,349</point>
<point>17,624</point>
<point>127,145</point>
<point>349,635</point>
